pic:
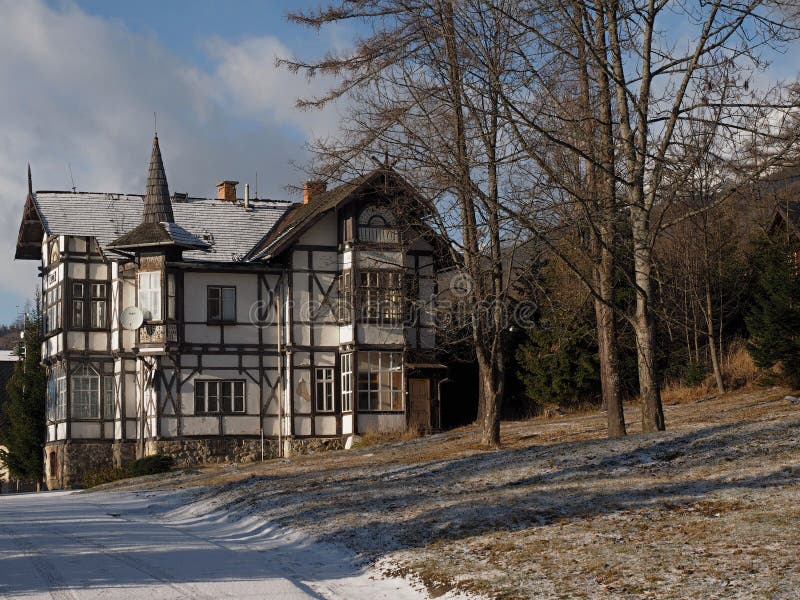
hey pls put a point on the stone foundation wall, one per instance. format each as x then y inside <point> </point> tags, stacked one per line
<point>192,451</point>
<point>313,445</point>
<point>74,460</point>
<point>123,453</point>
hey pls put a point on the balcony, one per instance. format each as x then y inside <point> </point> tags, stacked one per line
<point>378,235</point>
<point>158,333</point>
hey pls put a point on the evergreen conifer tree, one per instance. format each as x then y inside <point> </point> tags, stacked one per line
<point>25,410</point>
<point>773,320</point>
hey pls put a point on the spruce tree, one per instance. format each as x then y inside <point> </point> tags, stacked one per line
<point>25,411</point>
<point>773,319</point>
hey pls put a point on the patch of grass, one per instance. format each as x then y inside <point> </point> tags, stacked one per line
<point>738,371</point>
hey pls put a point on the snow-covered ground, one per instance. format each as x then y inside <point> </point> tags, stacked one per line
<point>151,545</point>
<point>708,509</point>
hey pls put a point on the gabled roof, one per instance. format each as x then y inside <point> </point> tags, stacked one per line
<point>227,228</point>
<point>302,216</point>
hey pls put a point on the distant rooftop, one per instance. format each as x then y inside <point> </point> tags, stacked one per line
<point>8,356</point>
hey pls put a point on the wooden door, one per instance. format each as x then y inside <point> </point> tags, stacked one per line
<point>420,395</point>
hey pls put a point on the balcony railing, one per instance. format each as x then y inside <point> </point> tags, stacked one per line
<point>379,235</point>
<point>158,333</point>
<point>151,333</point>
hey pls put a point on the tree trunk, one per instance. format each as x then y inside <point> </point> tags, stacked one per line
<point>609,364</point>
<point>489,419</point>
<point>603,192</point>
<point>712,344</point>
<point>652,412</point>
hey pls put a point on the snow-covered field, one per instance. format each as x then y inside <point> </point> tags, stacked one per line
<point>151,545</point>
<point>709,509</point>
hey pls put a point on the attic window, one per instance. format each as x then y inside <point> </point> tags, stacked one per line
<point>376,227</point>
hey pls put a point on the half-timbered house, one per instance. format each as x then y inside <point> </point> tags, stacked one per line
<point>231,329</point>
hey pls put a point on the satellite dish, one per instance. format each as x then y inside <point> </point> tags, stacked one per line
<point>131,318</point>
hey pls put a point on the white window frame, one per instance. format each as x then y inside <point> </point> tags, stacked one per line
<point>211,395</point>
<point>52,312</point>
<point>78,305</point>
<point>109,405</point>
<point>85,392</point>
<point>61,394</point>
<point>381,295</point>
<point>324,395</point>
<point>347,382</point>
<point>97,313</point>
<point>150,294</point>
<point>380,381</point>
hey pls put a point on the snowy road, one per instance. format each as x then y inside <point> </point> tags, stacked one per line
<point>145,545</point>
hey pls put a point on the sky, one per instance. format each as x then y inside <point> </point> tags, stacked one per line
<point>82,79</point>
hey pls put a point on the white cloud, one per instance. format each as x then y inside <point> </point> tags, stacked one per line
<point>252,85</point>
<point>82,90</point>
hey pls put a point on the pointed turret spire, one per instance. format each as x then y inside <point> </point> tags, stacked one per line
<point>30,181</point>
<point>157,207</point>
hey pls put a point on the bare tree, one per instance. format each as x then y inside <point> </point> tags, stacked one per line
<point>432,101</point>
<point>656,83</point>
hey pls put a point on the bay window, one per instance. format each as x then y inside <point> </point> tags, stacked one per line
<point>380,381</point>
<point>85,383</point>
<point>381,295</point>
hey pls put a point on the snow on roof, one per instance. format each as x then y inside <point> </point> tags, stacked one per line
<point>227,227</point>
<point>8,356</point>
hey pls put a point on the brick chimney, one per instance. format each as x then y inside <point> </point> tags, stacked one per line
<point>312,188</point>
<point>226,190</point>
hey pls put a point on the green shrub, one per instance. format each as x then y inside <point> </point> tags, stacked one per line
<point>101,476</point>
<point>150,465</point>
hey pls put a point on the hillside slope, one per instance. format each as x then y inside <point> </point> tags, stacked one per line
<point>707,509</point>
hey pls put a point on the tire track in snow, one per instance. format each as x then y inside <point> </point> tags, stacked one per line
<point>185,591</point>
<point>56,586</point>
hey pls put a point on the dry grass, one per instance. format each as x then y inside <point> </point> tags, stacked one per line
<point>706,509</point>
<point>738,372</point>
